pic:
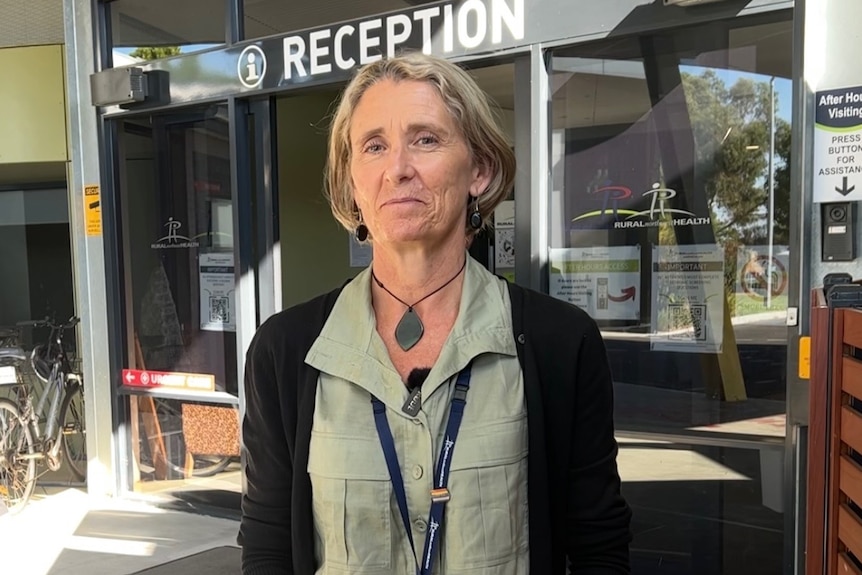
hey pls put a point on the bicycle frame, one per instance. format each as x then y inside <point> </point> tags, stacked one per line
<point>59,380</point>
<point>54,390</point>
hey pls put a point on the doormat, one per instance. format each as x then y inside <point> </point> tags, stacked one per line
<point>215,561</point>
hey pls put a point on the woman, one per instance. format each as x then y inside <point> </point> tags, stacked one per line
<point>428,416</point>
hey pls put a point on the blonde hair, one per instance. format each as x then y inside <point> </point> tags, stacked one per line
<point>469,107</point>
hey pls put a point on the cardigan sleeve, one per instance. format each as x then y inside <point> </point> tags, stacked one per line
<point>265,527</point>
<point>597,514</point>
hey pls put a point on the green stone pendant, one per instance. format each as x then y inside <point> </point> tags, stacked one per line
<point>409,330</point>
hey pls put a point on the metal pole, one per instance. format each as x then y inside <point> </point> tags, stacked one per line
<point>770,222</point>
<point>88,250</point>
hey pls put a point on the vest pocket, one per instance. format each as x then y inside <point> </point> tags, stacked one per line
<point>486,519</point>
<point>350,500</point>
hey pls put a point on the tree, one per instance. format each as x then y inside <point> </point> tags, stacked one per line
<point>731,134</point>
<point>155,52</point>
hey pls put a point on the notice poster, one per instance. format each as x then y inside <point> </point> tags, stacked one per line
<point>603,281</point>
<point>504,235</point>
<point>688,298</point>
<point>217,286</point>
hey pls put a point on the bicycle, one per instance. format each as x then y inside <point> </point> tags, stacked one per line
<point>51,429</point>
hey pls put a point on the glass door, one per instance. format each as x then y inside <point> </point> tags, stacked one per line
<point>669,226</point>
<point>181,382</point>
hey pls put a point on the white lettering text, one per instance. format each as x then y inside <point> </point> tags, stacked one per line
<point>425,16</point>
<point>393,38</point>
<point>294,57</point>
<point>366,42</point>
<point>316,51</point>
<point>481,15</point>
<point>514,20</point>
<point>340,61</point>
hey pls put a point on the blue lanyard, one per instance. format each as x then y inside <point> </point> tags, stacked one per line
<point>440,493</point>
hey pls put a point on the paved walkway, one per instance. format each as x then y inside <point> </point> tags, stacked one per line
<point>71,533</point>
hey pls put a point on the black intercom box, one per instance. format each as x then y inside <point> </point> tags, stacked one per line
<point>839,221</point>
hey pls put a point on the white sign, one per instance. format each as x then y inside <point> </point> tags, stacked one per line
<point>603,281</point>
<point>755,277</point>
<point>838,145</point>
<point>217,289</point>
<point>688,298</point>
<point>467,26</point>
<point>8,375</point>
<point>251,66</point>
<point>504,235</point>
<point>361,253</point>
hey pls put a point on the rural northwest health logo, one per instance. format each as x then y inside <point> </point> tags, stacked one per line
<point>660,208</point>
<point>174,239</point>
<point>251,67</point>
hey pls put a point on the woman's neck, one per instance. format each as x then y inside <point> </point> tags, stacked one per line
<point>413,274</point>
<point>411,277</point>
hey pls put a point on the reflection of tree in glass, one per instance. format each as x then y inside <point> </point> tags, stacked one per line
<point>731,134</point>
<point>154,52</point>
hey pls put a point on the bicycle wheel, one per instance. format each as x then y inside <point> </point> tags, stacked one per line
<point>209,465</point>
<point>17,461</point>
<point>74,431</point>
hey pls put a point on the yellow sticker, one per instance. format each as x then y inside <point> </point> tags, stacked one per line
<point>93,210</point>
<point>805,357</point>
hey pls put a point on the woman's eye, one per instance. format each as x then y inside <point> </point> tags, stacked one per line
<point>372,147</point>
<point>426,140</point>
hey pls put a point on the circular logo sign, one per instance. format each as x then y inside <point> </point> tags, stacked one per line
<point>755,277</point>
<point>251,67</point>
<point>145,378</point>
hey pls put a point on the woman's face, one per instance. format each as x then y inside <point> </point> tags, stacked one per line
<point>411,167</point>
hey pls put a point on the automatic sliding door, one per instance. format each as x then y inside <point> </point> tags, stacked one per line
<point>668,227</point>
<point>181,386</point>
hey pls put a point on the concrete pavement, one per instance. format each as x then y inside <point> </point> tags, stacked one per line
<point>71,533</point>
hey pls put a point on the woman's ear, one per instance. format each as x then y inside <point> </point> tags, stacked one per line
<point>481,179</point>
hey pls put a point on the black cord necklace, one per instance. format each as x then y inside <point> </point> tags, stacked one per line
<point>409,330</point>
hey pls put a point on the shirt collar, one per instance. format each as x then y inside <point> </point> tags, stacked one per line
<point>349,338</point>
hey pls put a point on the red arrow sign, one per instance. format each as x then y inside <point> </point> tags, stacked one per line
<point>163,379</point>
<point>628,293</point>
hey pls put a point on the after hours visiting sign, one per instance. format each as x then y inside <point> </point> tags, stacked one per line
<point>838,145</point>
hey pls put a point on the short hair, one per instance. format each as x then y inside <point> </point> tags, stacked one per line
<point>463,98</point>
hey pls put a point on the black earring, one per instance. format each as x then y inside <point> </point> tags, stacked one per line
<point>476,217</point>
<point>361,230</point>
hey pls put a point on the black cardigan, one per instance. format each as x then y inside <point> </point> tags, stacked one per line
<point>576,510</point>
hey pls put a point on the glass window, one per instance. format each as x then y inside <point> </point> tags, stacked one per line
<point>35,256</point>
<point>143,30</point>
<point>177,203</point>
<point>268,17</point>
<point>702,509</point>
<point>669,225</point>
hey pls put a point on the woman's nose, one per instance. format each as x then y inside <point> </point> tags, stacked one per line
<point>400,165</point>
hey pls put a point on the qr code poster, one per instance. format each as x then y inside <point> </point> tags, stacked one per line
<point>687,298</point>
<point>217,288</point>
